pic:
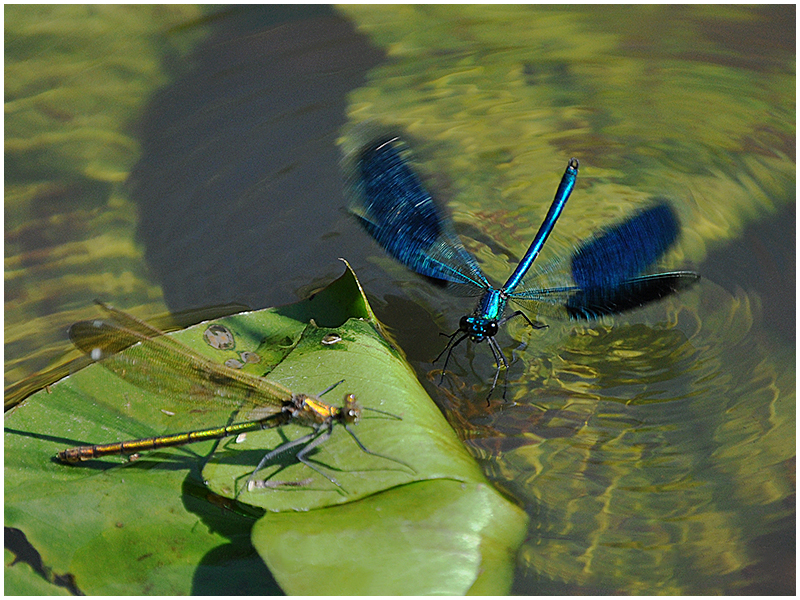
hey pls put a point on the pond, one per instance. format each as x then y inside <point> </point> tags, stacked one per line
<point>185,157</point>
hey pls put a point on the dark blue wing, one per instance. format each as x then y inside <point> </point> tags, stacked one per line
<point>632,293</point>
<point>625,250</point>
<point>391,204</point>
<point>605,273</point>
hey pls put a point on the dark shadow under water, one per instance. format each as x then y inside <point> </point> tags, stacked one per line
<point>239,187</point>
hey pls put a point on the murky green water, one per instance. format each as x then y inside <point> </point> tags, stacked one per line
<point>77,79</point>
<point>654,452</point>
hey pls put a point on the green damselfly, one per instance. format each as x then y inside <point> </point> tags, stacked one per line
<point>160,362</point>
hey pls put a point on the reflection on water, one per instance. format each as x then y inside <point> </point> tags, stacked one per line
<point>655,451</point>
<point>76,79</point>
<point>658,458</point>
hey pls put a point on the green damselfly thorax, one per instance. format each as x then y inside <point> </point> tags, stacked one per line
<point>182,374</point>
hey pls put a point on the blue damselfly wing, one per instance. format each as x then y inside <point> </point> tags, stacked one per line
<point>392,205</point>
<point>604,276</point>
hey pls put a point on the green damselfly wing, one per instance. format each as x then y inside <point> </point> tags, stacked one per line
<point>147,358</point>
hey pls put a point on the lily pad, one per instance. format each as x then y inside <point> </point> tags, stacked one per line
<point>151,526</point>
<point>433,536</point>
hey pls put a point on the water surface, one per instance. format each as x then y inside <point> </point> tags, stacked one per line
<point>195,160</point>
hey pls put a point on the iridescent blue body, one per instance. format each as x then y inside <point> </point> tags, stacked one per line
<point>604,275</point>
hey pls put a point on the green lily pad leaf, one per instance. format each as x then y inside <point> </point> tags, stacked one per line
<point>127,529</point>
<point>22,580</point>
<point>151,526</point>
<point>435,537</point>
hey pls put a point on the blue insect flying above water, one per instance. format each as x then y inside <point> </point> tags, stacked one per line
<point>604,275</point>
